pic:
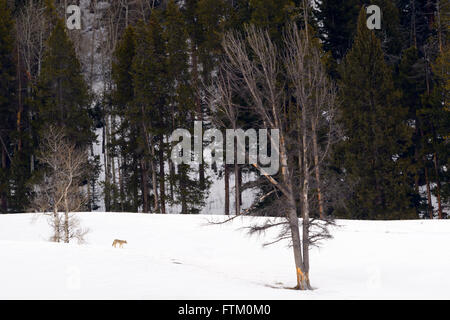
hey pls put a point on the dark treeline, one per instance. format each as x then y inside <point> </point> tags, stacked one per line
<point>157,60</point>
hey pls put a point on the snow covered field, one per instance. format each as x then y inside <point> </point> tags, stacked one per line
<point>179,257</point>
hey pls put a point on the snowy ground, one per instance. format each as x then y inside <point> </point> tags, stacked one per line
<point>178,257</point>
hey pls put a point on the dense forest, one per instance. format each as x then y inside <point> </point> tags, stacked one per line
<point>372,144</point>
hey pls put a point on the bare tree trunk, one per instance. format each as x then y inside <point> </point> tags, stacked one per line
<point>292,218</point>
<point>3,200</point>
<point>66,227</point>
<point>89,196</point>
<point>198,106</point>
<point>237,188</point>
<point>19,100</point>
<point>417,160</point>
<point>427,181</point>
<point>413,36</point>
<point>438,12</point>
<point>182,173</point>
<point>438,185</point>
<point>56,226</point>
<point>240,186</point>
<point>227,189</point>
<point>94,28</point>
<point>121,190</point>
<point>113,160</point>
<point>106,160</point>
<point>172,177</point>
<point>317,170</point>
<point>162,189</point>
<point>430,206</point>
<point>154,179</point>
<point>305,190</point>
<point>144,175</point>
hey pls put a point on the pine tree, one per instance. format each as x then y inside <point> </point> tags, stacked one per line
<point>377,136</point>
<point>416,21</point>
<point>272,14</point>
<point>411,81</point>
<point>337,19</point>
<point>7,100</point>
<point>149,80</point>
<point>183,99</point>
<point>63,98</point>
<point>63,101</point>
<point>435,112</point>
<point>338,24</point>
<point>127,134</point>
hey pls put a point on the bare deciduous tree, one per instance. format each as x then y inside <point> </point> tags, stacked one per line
<point>60,189</point>
<point>259,71</point>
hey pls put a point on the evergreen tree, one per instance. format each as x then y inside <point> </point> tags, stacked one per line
<point>273,15</point>
<point>338,24</point>
<point>435,111</point>
<point>411,81</point>
<point>416,21</point>
<point>62,97</point>
<point>337,19</point>
<point>149,71</point>
<point>188,191</point>
<point>127,134</point>
<point>377,135</point>
<point>7,100</point>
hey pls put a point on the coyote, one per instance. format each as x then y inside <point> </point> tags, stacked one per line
<point>120,242</point>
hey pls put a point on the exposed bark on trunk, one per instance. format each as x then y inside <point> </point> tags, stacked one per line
<point>438,186</point>
<point>430,206</point>
<point>237,189</point>
<point>19,100</point>
<point>317,170</point>
<point>162,190</point>
<point>56,226</point>
<point>439,25</point>
<point>3,196</point>
<point>113,160</point>
<point>182,172</point>
<point>227,189</point>
<point>172,177</point>
<point>151,149</point>
<point>427,181</point>
<point>154,180</point>
<point>89,196</point>
<point>413,36</point>
<point>66,227</point>
<point>292,218</point>
<point>144,176</point>
<point>417,160</point>
<point>305,191</point>
<point>135,187</point>
<point>106,165</point>
<point>121,189</point>
<point>198,106</point>
<point>240,186</point>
